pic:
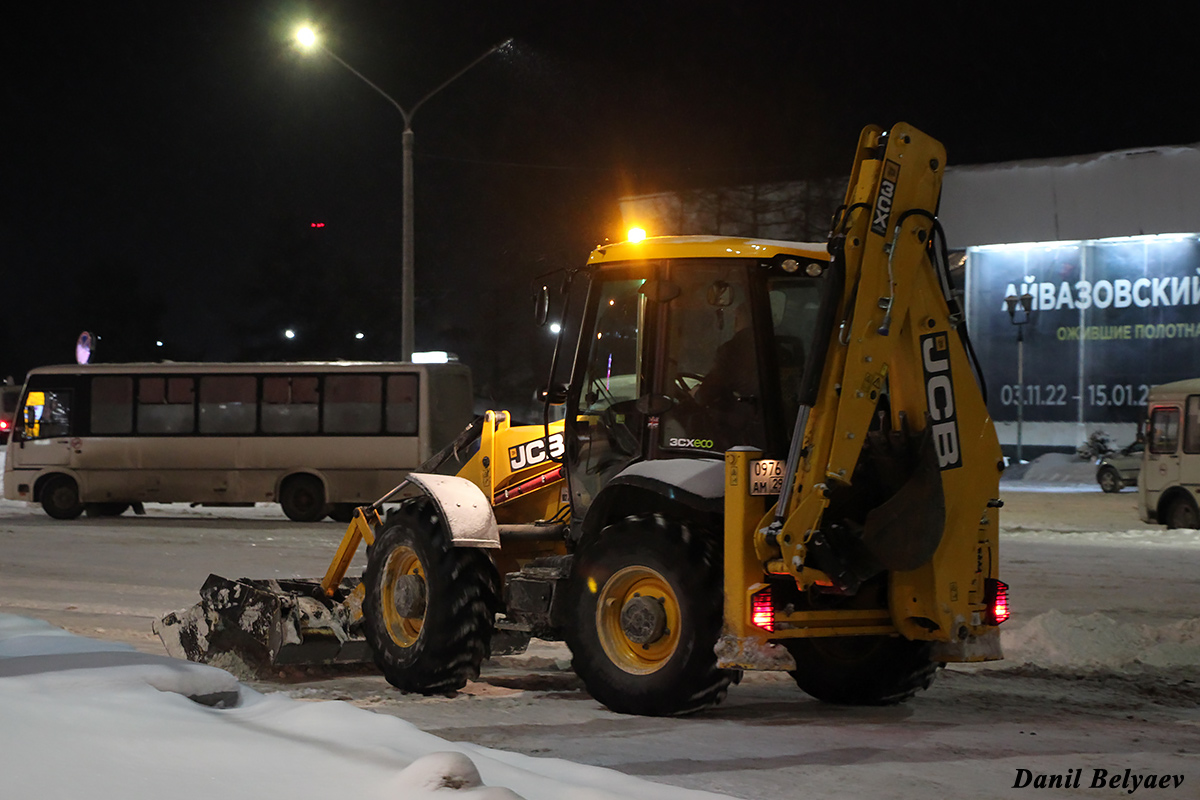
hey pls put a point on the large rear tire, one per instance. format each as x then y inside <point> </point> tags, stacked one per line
<point>60,498</point>
<point>862,670</point>
<point>429,606</point>
<point>647,609</point>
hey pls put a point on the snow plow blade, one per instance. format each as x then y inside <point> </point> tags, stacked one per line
<point>254,627</point>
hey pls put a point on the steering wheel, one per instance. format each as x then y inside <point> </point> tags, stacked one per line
<point>681,386</point>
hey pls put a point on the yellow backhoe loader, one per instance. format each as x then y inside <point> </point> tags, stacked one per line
<point>773,456</point>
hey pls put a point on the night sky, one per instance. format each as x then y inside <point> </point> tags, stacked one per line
<point>165,162</point>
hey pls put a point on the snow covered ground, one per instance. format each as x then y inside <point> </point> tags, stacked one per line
<point>1101,673</point>
<point>84,718</point>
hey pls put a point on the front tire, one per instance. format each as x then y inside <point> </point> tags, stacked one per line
<point>862,670</point>
<point>1109,480</point>
<point>647,611</point>
<point>1181,513</point>
<point>60,498</point>
<point>429,606</point>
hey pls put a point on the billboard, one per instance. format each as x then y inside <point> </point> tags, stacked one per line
<point>1110,318</point>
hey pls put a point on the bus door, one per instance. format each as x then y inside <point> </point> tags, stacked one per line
<point>1161,467</point>
<point>43,429</point>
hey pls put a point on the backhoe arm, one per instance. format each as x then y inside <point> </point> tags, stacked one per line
<point>898,448</point>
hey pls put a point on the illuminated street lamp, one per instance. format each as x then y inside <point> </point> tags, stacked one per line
<point>307,39</point>
<point>1025,304</point>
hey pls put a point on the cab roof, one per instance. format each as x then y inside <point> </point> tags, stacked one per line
<point>660,247</point>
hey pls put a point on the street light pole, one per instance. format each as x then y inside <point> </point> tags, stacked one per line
<point>1025,303</point>
<point>308,39</point>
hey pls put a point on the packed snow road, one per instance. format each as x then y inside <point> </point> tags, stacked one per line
<point>1102,673</point>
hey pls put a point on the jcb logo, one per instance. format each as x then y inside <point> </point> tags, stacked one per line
<point>939,393</point>
<point>887,195</point>
<point>535,452</point>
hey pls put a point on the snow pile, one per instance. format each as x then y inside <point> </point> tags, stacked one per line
<point>40,653</point>
<point>1095,641</point>
<point>119,719</point>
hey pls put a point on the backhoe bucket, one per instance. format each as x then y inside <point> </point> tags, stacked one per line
<point>252,627</point>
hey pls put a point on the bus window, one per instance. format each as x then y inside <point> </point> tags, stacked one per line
<point>166,405</point>
<point>289,404</point>
<point>112,405</point>
<point>353,403</point>
<point>1191,427</point>
<point>1164,430</point>
<point>47,414</point>
<point>402,404</point>
<point>228,403</point>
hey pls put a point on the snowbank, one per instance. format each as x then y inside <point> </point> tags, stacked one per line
<point>1056,640</point>
<point>95,719</point>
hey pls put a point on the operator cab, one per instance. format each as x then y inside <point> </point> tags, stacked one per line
<point>687,357</point>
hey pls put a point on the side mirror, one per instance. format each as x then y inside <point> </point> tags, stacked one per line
<point>652,405</point>
<point>541,305</point>
<point>556,396</point>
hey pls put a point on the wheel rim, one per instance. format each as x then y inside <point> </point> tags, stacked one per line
<point>1108,481</point>
<point>63,497</point>
<point>402,563</point>
<point>628,590</point>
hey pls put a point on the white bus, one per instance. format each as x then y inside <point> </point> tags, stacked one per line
<point>317,438</point>
<point>1169,484</point>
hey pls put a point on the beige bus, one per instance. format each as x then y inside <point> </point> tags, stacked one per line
<point>1169,485</point>
<point>316,437</point>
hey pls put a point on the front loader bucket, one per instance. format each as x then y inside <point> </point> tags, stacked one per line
<point>252,627</point>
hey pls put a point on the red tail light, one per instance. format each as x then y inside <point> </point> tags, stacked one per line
<point>3,424</point>
<point>761,613</point>
<point>996,595</point>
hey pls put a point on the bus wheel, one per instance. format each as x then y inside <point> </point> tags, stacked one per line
<point>342,512</point>
<point>1181,513</point>
<point>647,608</point>
<point>862,670</point>
<point>60,498</point>
<point>106,509</point>
<point>428,606</point>
<point>303,498</point>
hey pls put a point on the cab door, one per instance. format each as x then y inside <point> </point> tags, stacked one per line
<point>604,428</point>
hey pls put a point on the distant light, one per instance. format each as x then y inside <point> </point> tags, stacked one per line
<point>637,234</point>
<point>555,327</point>
<point>358,335</point>
<point>289,334</point>
<point>316,224</point>
<point>431,357</point>
<point>306,37</point>
<point>158,343</point>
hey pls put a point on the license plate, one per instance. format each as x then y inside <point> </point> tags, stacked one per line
<point>766,476</point>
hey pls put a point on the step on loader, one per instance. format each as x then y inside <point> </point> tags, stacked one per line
<point>771,455</point>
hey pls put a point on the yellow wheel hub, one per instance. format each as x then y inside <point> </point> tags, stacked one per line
<point>637,620</point>
<point>403,600</point>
